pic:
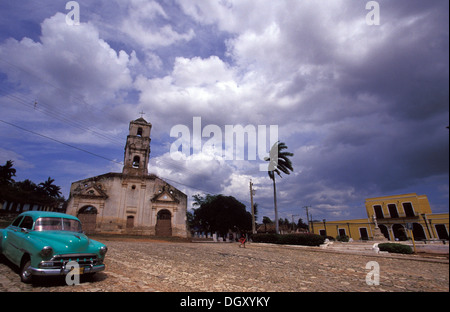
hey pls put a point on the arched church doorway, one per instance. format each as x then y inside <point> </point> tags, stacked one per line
<point>88,218</point>
<point>164,223</point>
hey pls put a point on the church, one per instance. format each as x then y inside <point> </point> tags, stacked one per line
<point>132,202</point>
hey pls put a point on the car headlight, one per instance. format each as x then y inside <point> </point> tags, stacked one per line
<point>103,250</point>
<point>46,252</point>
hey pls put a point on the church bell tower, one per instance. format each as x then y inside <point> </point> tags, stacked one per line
<point>137,148</point>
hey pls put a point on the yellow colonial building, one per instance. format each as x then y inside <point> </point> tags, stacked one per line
<point>398,217</point>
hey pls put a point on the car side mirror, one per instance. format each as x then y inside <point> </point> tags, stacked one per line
<point>24,230</point>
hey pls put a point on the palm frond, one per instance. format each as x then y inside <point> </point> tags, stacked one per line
<point>279,161</point>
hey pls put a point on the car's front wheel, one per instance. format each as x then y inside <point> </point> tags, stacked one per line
<point>25,272</point>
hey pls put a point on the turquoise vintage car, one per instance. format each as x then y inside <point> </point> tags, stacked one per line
<point>43,243</point>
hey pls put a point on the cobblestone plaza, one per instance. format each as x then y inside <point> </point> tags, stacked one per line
<point>143,265</point>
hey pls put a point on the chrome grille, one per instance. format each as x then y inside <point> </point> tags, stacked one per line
<point>59,261</point>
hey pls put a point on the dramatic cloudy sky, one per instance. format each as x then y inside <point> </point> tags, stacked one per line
<point>364,108</point>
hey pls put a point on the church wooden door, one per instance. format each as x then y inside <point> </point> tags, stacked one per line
<point>88,218</point>
<point>130,222</point>
<point>164,223</point>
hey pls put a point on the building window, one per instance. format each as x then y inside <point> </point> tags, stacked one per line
<point>136,161</point>
<point>441,231</point>
<point>393,210</point>
<point>408,208</point>
<point>378,211</point>
<point>139,132</point>
<point>363,234</point>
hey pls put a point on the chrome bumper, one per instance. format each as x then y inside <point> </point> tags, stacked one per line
<point>64,271</point>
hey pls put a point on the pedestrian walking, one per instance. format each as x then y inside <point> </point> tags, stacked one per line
<point>242,240</point>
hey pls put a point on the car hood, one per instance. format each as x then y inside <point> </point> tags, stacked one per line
<point>64,242</point>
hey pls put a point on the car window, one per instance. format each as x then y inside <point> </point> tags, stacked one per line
<point>27,223</point>
<point>17,221</point>
<point>57,224</point>
<point>72,225</point>
<point>48,224</point>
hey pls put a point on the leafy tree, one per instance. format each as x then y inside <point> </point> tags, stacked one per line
<point>190,219</point>
<point>278,162</point>
<point>27,192</point>
<point>265,221</point>
<point>285,224</point>
<point>221,213</point>
<point>199,199</point>
<point>301,224</point>
<point>27,186</point>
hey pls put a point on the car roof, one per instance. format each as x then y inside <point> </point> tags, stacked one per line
<point>39,214</point>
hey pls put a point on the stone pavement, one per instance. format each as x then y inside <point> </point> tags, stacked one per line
<point>140,265</point>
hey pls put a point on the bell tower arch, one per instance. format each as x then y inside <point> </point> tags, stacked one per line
<point>137,148</point>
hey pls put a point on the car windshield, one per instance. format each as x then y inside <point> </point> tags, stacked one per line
<point>57,224</point>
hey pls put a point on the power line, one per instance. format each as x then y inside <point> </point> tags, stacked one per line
<point>52,111</point>
<point>58,141</point>
<point>41,107</point>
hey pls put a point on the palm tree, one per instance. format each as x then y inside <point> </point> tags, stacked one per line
<point>278,162</point>
<point>7,172</point>
<point>50,189</point>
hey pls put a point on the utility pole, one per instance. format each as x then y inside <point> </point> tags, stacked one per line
<point>253,208</point>
<point>307,216</point>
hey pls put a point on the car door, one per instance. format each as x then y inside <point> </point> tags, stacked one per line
<point>11,245</point>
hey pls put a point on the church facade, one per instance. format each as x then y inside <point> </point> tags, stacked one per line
<point>132,202</point>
